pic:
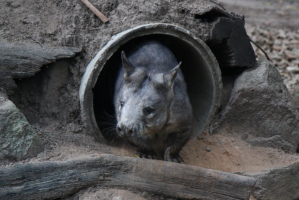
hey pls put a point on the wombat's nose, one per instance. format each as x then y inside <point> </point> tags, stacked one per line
<point>130,131</point>
<point>118,129</point>
<point>124,130</point>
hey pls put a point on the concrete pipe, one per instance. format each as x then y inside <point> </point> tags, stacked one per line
<point>200,69</point>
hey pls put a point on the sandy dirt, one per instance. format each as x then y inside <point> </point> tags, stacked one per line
<point>232,154</point>
<point>220,152</point>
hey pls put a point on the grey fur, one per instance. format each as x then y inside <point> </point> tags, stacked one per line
<point>151,102</point>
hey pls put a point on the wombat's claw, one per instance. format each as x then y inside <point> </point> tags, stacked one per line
<point>175,158</point>
<point>153,157</point>
<point>148,156</point>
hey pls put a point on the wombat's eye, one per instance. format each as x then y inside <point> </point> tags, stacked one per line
<point>148,110</point>
<point>121,104</point>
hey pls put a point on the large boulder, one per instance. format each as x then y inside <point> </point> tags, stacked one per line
<point>18,140</point>
<point>260,110</point>
<point>25,60</point>
<point>281,183</point>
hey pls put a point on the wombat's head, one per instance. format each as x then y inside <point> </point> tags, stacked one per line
<point>143,102</point>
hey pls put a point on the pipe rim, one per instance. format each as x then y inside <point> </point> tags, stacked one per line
<point>96,65</point>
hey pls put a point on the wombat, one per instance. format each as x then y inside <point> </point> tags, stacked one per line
<point>152,107</point>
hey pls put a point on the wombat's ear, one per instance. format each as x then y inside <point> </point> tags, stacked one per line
<point>169,77</point>
<point>128,66</point>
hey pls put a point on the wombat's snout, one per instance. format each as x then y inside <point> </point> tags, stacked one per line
<point>123,130</point>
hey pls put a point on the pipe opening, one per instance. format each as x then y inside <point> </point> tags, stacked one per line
<point>199,67</point>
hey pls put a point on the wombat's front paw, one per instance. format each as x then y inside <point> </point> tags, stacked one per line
<point>177,158</point>
<point>147,155</point>
<point>173,158</point>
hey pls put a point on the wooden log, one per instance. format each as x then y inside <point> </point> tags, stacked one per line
<point>60,178</point>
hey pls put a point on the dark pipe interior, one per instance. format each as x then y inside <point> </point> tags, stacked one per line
<point>197,76</point>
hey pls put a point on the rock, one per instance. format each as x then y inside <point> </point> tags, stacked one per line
<point>107,194</point>
<point>24,60</point>
<point>18,140</point>
<point>208,149</point>
<point>227,34</point>
<point>273,183</point>
<point>31,19</point>
<point>7,83</point>
<point>261,108</point>
<point>294,69</point>
<point>290,55</point>
<point>275,141</point>
<point>12,4</point>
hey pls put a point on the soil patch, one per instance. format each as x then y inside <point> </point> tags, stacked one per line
<point>220,152</point>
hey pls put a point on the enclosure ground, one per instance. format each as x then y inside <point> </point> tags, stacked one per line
<point>228,153</point>
<point>220,152</point>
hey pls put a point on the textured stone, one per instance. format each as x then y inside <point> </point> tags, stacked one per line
<point>227,35</point>
<point>24,60</point>
<point>279,183</point>
<point>107,194</point>
<point>18,140</point>
<point>275,141</point>
<point>260,110</point>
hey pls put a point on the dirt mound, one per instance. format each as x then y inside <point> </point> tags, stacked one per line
<point>220,152</point>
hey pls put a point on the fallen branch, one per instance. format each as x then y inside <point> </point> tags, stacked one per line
<point>57,179</point>
<point>260,48</point>
<point>103,18</point>
<point>217,3</point>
